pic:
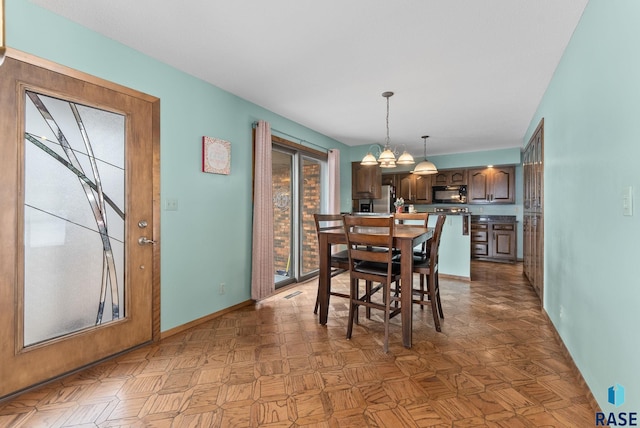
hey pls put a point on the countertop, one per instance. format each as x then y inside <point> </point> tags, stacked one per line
<point>494,218</point>
<point>459,214</point>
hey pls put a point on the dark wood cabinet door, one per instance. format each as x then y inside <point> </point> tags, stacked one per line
<point>458,176</point>
<point>503,185</point>
<point>493,241</point>
<point>441,179</point>
<point>389,180</point>
<point>366,181</point>
<point>495,185</point>
<point>423,189</point>
<point>503,241</point>
<point>478,190</point>
<point>406,187</point>
<point>447,177</point>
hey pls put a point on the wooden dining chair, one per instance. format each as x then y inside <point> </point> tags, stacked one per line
<point>428,271</point>
<point>365,237</point>
<point>339,260</point>
<point>421,253</point>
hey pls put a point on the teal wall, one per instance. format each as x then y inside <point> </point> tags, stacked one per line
<point>455,248</point>
<point>591,113</point>
<point>208,240</point>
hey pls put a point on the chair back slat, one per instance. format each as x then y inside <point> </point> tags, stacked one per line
<point>418,219</point>
<point>328,222</point>
<point>369,239</point>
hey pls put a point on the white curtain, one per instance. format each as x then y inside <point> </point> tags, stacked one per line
<point>333,162</point>
<point>262,270</point>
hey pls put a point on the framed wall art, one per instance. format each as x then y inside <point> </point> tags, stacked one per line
<point>216,156</point>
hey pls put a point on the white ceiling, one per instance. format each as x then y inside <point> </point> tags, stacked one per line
<point>469,73</point>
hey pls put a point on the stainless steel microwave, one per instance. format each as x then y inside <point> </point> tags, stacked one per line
<point>450,194</point>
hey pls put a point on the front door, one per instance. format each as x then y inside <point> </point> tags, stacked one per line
<point>77,220</point>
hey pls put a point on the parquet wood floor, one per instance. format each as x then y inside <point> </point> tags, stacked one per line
<point>496,363</point>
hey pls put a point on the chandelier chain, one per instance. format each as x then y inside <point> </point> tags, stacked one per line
<point>388,139</point>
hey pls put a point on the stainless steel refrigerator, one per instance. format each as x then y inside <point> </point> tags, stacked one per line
<point>383,205</point>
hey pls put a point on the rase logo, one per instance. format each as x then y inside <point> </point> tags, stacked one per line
<point>615,396</point>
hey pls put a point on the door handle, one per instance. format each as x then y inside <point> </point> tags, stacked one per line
<point>144,240</point>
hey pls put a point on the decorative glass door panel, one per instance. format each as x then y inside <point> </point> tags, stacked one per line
<point>73,217</point>
<point>77,274</point>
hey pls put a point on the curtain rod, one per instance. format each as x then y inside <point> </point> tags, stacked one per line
<point>255,124</point>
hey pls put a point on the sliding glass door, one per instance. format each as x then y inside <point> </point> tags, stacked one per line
<point>297,195</point>
<point>282,170</point>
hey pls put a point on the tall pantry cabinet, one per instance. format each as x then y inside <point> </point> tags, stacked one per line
<point>533,215</point>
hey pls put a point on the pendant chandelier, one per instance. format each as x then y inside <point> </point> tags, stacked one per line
<point>425,167</point>
<point>387,156</point>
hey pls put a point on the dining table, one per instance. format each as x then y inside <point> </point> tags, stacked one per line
<point>405,238</point>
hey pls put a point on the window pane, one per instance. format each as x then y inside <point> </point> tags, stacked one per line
<point>282,174</point>
<point>311,186</point>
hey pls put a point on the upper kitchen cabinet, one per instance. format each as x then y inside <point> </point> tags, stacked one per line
<point>493,185</point>
<point>406,187</point>
<point>423,189</point>
<point>389,180</point>
<point>414,189</point>
<point>448,177</point>
<point>366,181</point>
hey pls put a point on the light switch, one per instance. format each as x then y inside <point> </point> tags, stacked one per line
<point>627,201</point>
<point>171,204</point>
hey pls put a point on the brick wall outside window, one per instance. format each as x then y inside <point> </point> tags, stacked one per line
<point>282,213</point>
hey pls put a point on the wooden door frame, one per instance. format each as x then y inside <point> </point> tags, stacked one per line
<point>155,147</point>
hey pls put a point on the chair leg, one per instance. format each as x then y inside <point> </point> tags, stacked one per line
<point>353,307</point>
<point>367,309</point>
<point>422,291</point>
<point>356,316</point>
<point>437,292</point>
<point>387,312</point>
<point>315,309</point>
<point>431,287</point>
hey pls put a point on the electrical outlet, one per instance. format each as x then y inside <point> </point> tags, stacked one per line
<point>171,204</point>
<point>222,290</point>
<point>627,201</point>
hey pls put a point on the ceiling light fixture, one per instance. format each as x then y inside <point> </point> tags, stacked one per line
<point>425,167</point>
<point>386,156</point>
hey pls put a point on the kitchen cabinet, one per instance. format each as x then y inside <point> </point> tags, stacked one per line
<point>494,238</point>
<point>389,180</point>
<point>492,185</point>
<point>423,189</point>
<point>414,189</point>
<point>533,216</point>
<point>366,181</point>
<point>406,187</point>
<point>446,177</point>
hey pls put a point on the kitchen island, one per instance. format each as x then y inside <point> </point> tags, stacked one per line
<point>455,244</point>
